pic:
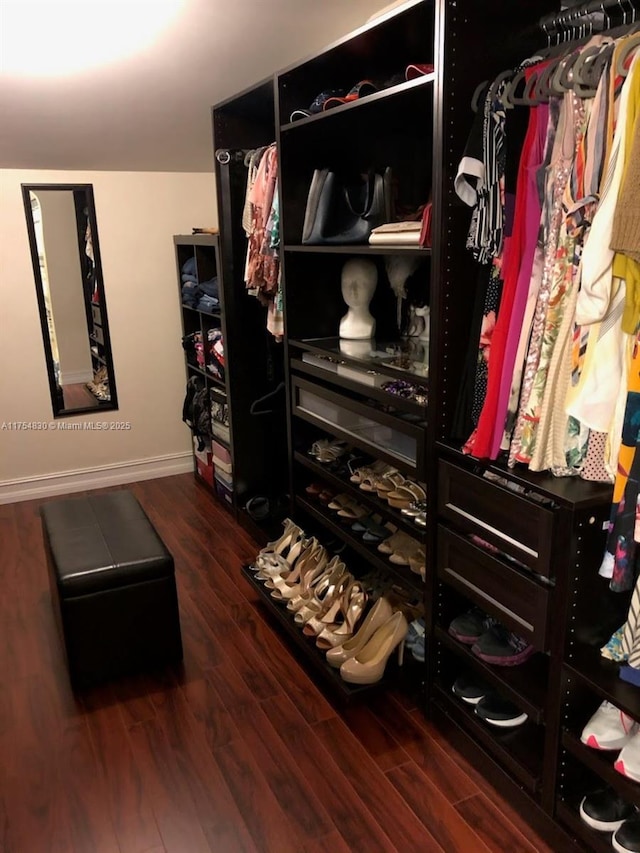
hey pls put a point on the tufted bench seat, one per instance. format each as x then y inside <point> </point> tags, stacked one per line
<point>113,586</point>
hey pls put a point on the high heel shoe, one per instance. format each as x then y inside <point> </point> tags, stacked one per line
<point>380,613</point>
<point>330,611</point>
<point>369,664</point>
<point>325,586</point>
<point>311,563</point>
<point>275,547</point>
<point>352,604</point>
<point>274,565</point>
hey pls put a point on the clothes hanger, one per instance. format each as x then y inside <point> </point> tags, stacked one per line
<point>255,406</point>
<point>475,98</point>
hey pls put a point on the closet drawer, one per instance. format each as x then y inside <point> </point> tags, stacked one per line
<point>97,334</point>
<point>518,601</point>
<point>517,525</point>
<point>388,437</point>
<point>96,314</point>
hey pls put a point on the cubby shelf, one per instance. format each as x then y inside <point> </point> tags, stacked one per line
<point>601,676</point>
<point>358,249</point>
<point>601,762</point>
<point>525,685</point>
<point>568,813</point>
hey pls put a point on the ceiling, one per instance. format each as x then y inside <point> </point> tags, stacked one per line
<point>150,111</point>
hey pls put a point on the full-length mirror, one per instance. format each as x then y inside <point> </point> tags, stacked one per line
<point>63,237</point>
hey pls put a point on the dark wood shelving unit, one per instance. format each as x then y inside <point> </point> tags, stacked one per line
<point>525,685</point>
<point>376,504</point>
<point>419,130</point>
<point>405,576</point>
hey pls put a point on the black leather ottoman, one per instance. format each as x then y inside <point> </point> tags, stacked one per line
<point>113,586</point>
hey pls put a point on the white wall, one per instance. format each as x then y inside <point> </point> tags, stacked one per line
<point>137,214</point>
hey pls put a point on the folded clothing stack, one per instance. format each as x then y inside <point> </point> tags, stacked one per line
<point>202,295</point>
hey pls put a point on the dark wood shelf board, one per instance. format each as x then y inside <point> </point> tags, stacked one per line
<point>308,647</point>
<point>405,576</point>
<point>195,239</point>
<point>601,675</point>
<point>425,82</point>
<point>519,750</point>
<point>571,492</point>
<point>197,311</point>
<point>376,504</point>
<point>525,685</point>
<point>358,249</point>
<point>601,762</point>
<point>587,838</point>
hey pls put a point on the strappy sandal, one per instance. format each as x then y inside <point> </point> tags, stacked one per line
<point>415,509</point>
<point>373,470</point>
<point>369,482</point>
<point>331,453</point>
<point>405,495</point>
<point>389,483</point>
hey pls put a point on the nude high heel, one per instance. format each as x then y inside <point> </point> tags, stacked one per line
<point>278,545</point>
<point>330,610</point>
<point>273,565</point>
<point>352,604</point>
<point>380,613</point>
<point>309,565</point>
<point>314,604</point>
<point>369,664</point>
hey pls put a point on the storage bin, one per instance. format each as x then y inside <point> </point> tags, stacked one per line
<point>222,466</point>
<point>205,471</point>
<point>221,453</point>
<point>223,491</point>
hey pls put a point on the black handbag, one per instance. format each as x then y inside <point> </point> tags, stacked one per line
<point>340,212</point>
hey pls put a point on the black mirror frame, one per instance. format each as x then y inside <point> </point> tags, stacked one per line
<point>87,189</point>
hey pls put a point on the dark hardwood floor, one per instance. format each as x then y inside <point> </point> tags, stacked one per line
<point>237,750</point>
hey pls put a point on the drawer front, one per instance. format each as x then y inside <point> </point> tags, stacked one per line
<point>519,602</point>
<point>97,333</point>
<point>516,525</point>
<point>96,314</point>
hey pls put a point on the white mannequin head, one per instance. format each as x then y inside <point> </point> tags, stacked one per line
<point>359,280</point>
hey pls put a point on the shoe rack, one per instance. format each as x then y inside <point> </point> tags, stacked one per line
<point>546,534</point>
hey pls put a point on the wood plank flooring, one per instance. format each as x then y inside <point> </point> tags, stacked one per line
<point>236,750</point>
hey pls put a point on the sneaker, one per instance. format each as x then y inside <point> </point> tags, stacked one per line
<point>496,711</point>
<point>470,688</point>
<point>628,762</point>
<point>608,728</point>
<point>605,811</point>
<point>502,647</point>
<point>470,626</point>
<point>415,640</point>
<point>627,838</point>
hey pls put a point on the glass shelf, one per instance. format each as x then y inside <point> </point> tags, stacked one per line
<point>405,359</point>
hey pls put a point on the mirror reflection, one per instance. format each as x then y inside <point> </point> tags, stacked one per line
<point>63,238</point>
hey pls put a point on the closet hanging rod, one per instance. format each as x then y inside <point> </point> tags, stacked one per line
<point>226,155</point>
<point>570,17</point>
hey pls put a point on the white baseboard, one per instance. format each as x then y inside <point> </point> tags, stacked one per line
<point>76,377</point>
<point>47,485</point>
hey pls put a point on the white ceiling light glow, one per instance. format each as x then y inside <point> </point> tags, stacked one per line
<point>50,38</point>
